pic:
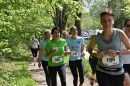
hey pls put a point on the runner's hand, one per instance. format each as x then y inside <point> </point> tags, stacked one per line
<point>83,54</point>
<point>66,53</point>
<point>39,64</point>
<point>55,50</point>
<point>100,54</point>
<point>111,53</point>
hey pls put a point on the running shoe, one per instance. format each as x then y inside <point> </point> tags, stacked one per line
<point>92,81</point>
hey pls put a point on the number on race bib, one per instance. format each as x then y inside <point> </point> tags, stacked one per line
<point>56,59</point>
<point>107,60</point>
<point>74,53</point>
<point>110,59</point>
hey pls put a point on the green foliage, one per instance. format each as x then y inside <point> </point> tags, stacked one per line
<point>89,23</point>
<point>126,8</point>
<point>118,7</point>
<point>20,19</point>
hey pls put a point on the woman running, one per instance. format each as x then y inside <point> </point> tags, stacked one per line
<point>34,48</point>
<point>76,46</point>
<point>126,58</point>
<point>109,71</point>
<point>42,55</point>
<point>55,52</point>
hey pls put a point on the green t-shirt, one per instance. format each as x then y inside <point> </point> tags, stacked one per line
<point>57,58</point>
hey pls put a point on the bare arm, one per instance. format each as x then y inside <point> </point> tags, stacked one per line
<point>91,48</point>
<point>50,53</point>
<point>83,49</point>
<point>38,43</point>
<point>87,48</point>
<point>40,55</point>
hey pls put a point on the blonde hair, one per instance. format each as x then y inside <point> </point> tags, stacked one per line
<point>65,32</point>
<point>47,31</point>
<point>33,36</point>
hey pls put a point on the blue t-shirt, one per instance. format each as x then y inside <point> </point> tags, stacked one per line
<point>75,48</point>
<point>33,42</point>
<point>43,46</point>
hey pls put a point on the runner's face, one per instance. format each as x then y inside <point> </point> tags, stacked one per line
<point>33,37</point>
<point>127,28</point>
<point>107,21</point>
<point>48,35</point>
<point>74,31</point>
<point>56,34</point>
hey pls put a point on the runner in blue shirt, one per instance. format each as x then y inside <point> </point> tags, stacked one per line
<point>76,46</point>
<point>42,55</point>
<point>34,48</point>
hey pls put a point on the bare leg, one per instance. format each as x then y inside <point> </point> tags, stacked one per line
<point>93,76</point>
<point>127,79</point>
<point>34,60</point>
<point>92,81</point>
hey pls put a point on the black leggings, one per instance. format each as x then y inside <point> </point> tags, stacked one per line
<point>73,67</point>
<point>34,52</point>
<point>105,79</point>
<point>93,64</point>
<point>45,67</point>
<point>62,73</point>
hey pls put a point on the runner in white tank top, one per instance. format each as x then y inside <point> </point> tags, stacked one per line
<point>126,58</point>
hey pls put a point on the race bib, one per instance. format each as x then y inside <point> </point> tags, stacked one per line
<point>107,60</point>
<point>34,45</point>
<point>74,53</point>
<point>56,59</point>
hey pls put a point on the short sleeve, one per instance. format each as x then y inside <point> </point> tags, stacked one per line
<point>37,40</point>
<point>67,42</point>
<point>82,41</point>
<point>47,46</point>
<point>41,44</point>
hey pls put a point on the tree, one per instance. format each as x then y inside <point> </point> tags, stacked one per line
<point>60,10</point>
<point>19,21</point>
<point>117,6</point>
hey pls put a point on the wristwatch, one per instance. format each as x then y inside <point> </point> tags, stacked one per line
<point>118,52</point>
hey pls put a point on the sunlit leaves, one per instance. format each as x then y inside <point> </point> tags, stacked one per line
<point>19,19</point>
<point>127,8</point>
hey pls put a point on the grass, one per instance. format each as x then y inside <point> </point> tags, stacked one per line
<point>14,70</point>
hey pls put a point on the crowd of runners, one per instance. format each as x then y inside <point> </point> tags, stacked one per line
<point>109,51</point>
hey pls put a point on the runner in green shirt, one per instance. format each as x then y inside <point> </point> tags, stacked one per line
<point>55,52</point>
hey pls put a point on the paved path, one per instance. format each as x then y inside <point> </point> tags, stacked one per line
<point>39,76</point>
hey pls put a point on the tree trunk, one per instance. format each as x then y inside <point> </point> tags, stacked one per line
<point>60,18</point>
<point>78,24</point>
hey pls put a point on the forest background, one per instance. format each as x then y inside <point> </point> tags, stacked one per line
<point>20,19</point>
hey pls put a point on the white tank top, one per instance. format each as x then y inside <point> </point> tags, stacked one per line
<point>125,58</point>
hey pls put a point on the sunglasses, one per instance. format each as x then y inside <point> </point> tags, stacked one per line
<point>127,25</point>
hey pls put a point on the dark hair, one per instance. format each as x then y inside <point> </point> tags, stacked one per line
<point>55,28</point>
<point>126,20</point>
<point>107,12</point>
